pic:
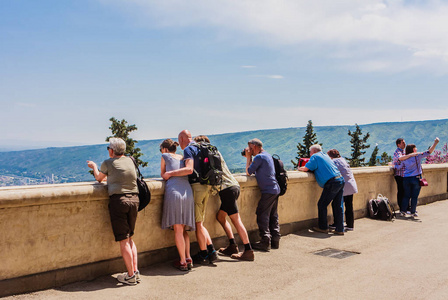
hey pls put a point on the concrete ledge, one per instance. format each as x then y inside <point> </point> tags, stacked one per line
<point>56,234</point>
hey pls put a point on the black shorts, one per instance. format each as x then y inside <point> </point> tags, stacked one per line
<point>229,196</point>
<point>123,209</point>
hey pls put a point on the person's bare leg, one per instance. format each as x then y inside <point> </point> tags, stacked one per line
<point>180,242</point>
<point>187,244</point>
<point>126,253</point>
<point>239,226</point>
<point>134,254</point>
<point>201,237</point>
<point>221,217</point>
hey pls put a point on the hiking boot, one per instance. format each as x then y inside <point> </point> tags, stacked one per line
<point>246,255</point>
<point>275,244</point>
<point>199,260</point>
<point>124,278</point>
<point>317,229</point>
<point>181,266</point>
<point>189,263</point>
<point>137,276</point>
<point>262,245</point>
<point>212,256</point>
<point>229,250</point>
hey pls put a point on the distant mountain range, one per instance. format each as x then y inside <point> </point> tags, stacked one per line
<point>68,164</point>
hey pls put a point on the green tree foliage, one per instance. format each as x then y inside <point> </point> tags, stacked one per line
<point>358,144</point>
<point>121,129</point>
<point>385,159</point>
<point>309,139</point>
<point>373,160</point>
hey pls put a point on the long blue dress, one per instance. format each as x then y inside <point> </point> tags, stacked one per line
<point>178,204</point>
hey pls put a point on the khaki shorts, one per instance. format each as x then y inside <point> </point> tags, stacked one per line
<point>123,209</point>
<point>201,192</point>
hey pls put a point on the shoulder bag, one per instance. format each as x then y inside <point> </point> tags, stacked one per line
<point>422,181</point>
<point>144,194</point>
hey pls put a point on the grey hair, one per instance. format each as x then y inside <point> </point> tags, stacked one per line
<point>256,142</point>
<point>316,148</point>
<point>118,145</point>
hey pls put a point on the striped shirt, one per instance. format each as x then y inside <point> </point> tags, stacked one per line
<point>398,166</point>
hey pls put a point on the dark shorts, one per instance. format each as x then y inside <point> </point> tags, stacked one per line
<point>228,199</point>
<point>123,209</point>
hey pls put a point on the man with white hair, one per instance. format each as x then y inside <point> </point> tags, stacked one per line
<point>262,166</point>
<point>330,179</point>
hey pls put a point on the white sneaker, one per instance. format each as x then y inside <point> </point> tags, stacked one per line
<point>124,278</point>
<point>137,276</point>
<point>348,228</point>
<point>415,214</point>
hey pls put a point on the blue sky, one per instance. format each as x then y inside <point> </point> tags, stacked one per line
<point>218,66</point>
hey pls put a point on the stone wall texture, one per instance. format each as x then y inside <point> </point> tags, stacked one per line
<point>48,229</point>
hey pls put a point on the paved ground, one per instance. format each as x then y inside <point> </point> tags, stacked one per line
<point>404,259</point>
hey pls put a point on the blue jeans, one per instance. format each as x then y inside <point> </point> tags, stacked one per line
<point>411,186</point>
<point>333,190</point>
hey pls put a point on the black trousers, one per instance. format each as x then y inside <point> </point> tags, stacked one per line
<point>267,217</point>
<point>349,216</point>
<point>400,191</point>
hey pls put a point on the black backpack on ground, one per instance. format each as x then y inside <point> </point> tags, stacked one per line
<point>280,174</point>
<point>210,172</point>
<point>381,209</point>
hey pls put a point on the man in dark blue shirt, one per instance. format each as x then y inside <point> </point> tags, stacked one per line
<point>262,166</point>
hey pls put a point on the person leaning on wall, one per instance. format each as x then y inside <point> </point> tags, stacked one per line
<point>123,204</point>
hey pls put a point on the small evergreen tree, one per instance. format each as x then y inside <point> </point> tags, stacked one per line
<point>309,139</point>
<point>358,145</point>
<point>373,160</point>
<point>385,159</point>
<point>121,129</point>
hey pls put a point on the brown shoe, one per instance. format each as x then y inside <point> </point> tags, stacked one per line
<point>229,250</point>
<point>317,229</point>
<point>338,232</point>
<point>246,255</point>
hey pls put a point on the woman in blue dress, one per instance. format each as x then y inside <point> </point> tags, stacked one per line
<point>178,204</point>
<point>412,161</point>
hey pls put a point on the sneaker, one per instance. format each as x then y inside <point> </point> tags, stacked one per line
<point>275,244</point>
<point>137,276</point>
<point>189,263</point>
<point>332,226</point>
<point>198,259</point>
<point>349,229</point>
<point>264,246</point>
<point>212,256</point>
<point>403,213</point>
<point>229,250</point>
<point>246,255</point>
<point>124,278</point>
<point>415,214</point>
<point>181,266</point>
<point>338,232</point>
<point>408,212</point>
<point>317,229</point>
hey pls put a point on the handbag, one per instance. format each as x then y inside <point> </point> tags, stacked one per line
<point>144,194</point>
<point>421,181</point>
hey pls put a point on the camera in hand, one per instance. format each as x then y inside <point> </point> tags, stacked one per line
<point>243,153</point>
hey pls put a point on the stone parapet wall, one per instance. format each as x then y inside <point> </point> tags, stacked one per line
<point>47,230</point>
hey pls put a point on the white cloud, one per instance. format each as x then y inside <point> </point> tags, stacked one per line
<point>270,76</point>
<point>372,31</point>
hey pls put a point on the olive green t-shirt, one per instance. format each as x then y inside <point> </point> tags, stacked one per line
<point>121,175</point>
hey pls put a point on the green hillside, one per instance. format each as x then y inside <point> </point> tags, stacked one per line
<point>68,164</point>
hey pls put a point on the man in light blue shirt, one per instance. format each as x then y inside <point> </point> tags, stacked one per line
<point>330,179</point>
